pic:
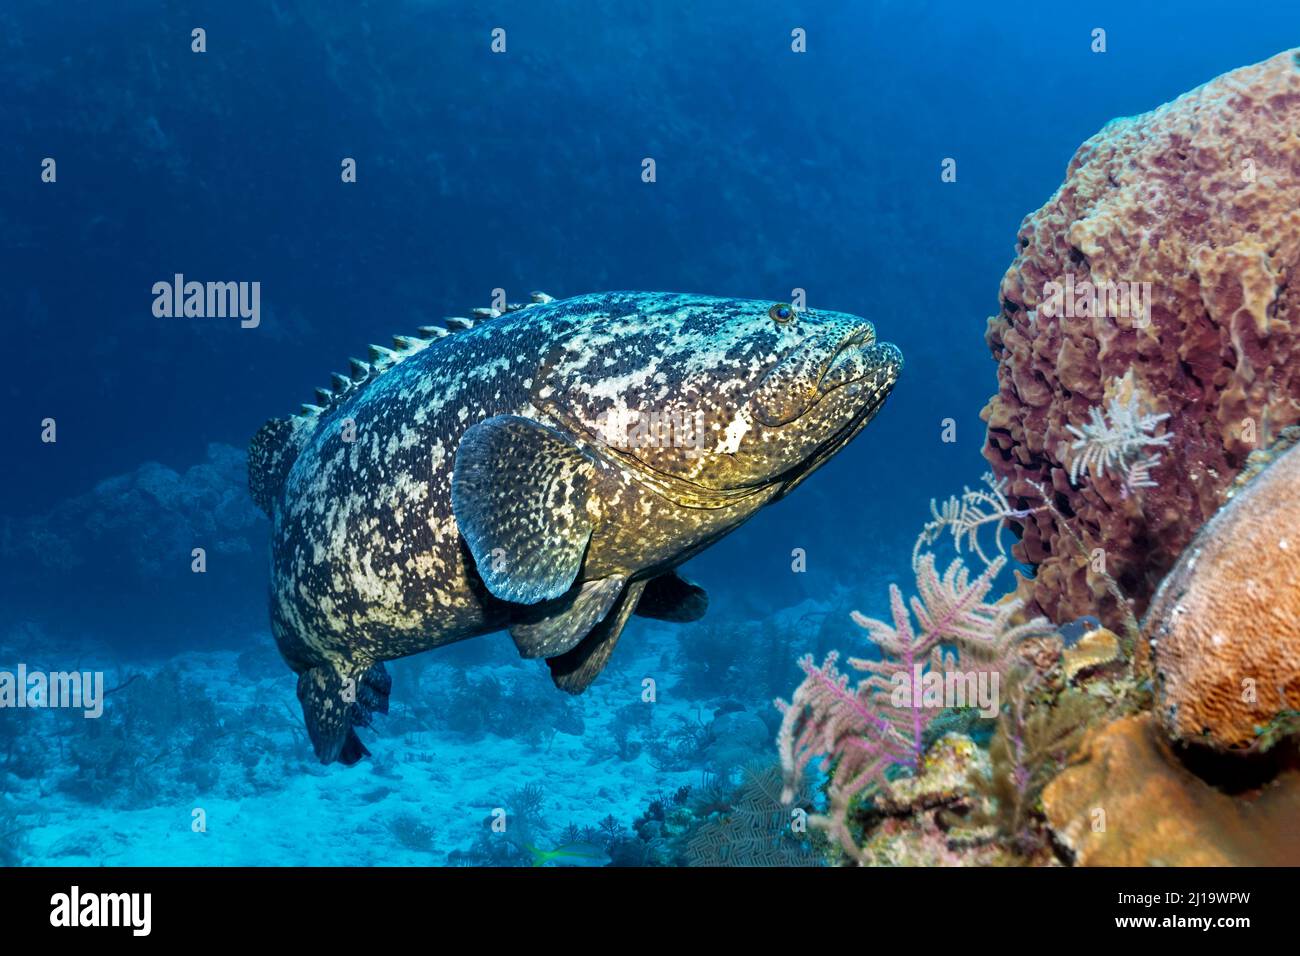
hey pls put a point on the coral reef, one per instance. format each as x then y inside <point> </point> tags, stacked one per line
<point>738,820</point>
<point>1038,729</point>
<point>1223,631</point>
<point>748,660</point>
<point>660,833</point>
<point>871,734</point>
<point>945,772</point>
<point>720,747</point>
<point>13,835</point>
<point>410,831</point>
<point>1165,255</point>
<point>757,829</point>
<point>1126,800</point>
<point>126,549</point>
<point>924,820</point>
<point>163,738</point>
<point>1097,648</point>
<point>157,514</point>
<point>938,781</point>
<point>477,706</point>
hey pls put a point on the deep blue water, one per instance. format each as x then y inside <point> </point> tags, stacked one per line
<point>522,171</point>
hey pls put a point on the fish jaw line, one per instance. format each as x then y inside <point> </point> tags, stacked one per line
<point>889,371</point>
<point>883,360</point>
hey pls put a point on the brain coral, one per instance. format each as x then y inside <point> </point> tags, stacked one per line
<point>1200,199</point>
<point>1223,630</point>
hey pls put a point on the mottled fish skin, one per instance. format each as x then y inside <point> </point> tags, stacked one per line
<point>368,561</point>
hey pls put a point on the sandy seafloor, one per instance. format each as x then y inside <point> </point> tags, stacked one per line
<point>301,813</point>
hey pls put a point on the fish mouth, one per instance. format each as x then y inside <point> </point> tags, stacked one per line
<point>857,357</point>
<point>866,373</point>
<point>859,368</point>
<point>851,362</point>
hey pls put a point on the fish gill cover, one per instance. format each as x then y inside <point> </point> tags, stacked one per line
<point>354,516</point>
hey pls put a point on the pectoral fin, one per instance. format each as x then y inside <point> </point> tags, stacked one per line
<point>670,597</point>
<point>575,670</point>
<point>554,633</point>
<point>520,493</point>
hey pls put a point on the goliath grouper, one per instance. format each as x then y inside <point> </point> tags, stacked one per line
<point>542,469</point>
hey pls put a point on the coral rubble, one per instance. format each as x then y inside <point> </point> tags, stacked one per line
<point>1173,239</point>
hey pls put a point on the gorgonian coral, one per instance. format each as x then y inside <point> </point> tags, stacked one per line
<point>868,731</point>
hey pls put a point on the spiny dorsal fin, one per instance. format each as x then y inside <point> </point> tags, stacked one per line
<point>381,359</point>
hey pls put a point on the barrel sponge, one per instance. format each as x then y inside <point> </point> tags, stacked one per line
<point>1201,199</point>
<point>1223,631</point>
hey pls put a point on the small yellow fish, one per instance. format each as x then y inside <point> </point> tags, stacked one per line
<point>570,854</point>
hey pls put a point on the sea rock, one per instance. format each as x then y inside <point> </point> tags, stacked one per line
<point>948,771</point>
<point>145,521</point>
<point>918,828</point>
<point>1200,199</point>
<point>735,738</point>
<point>1097,648</point>
<point>1126,800</point>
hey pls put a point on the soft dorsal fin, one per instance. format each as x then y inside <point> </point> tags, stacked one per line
<point>271,454</point>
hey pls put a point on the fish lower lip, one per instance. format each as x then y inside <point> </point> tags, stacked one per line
<point>847,432</point>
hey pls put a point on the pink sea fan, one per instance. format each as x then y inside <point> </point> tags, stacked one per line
<point>866,730</point>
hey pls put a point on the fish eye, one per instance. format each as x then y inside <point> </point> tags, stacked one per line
<point>781,313</point>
